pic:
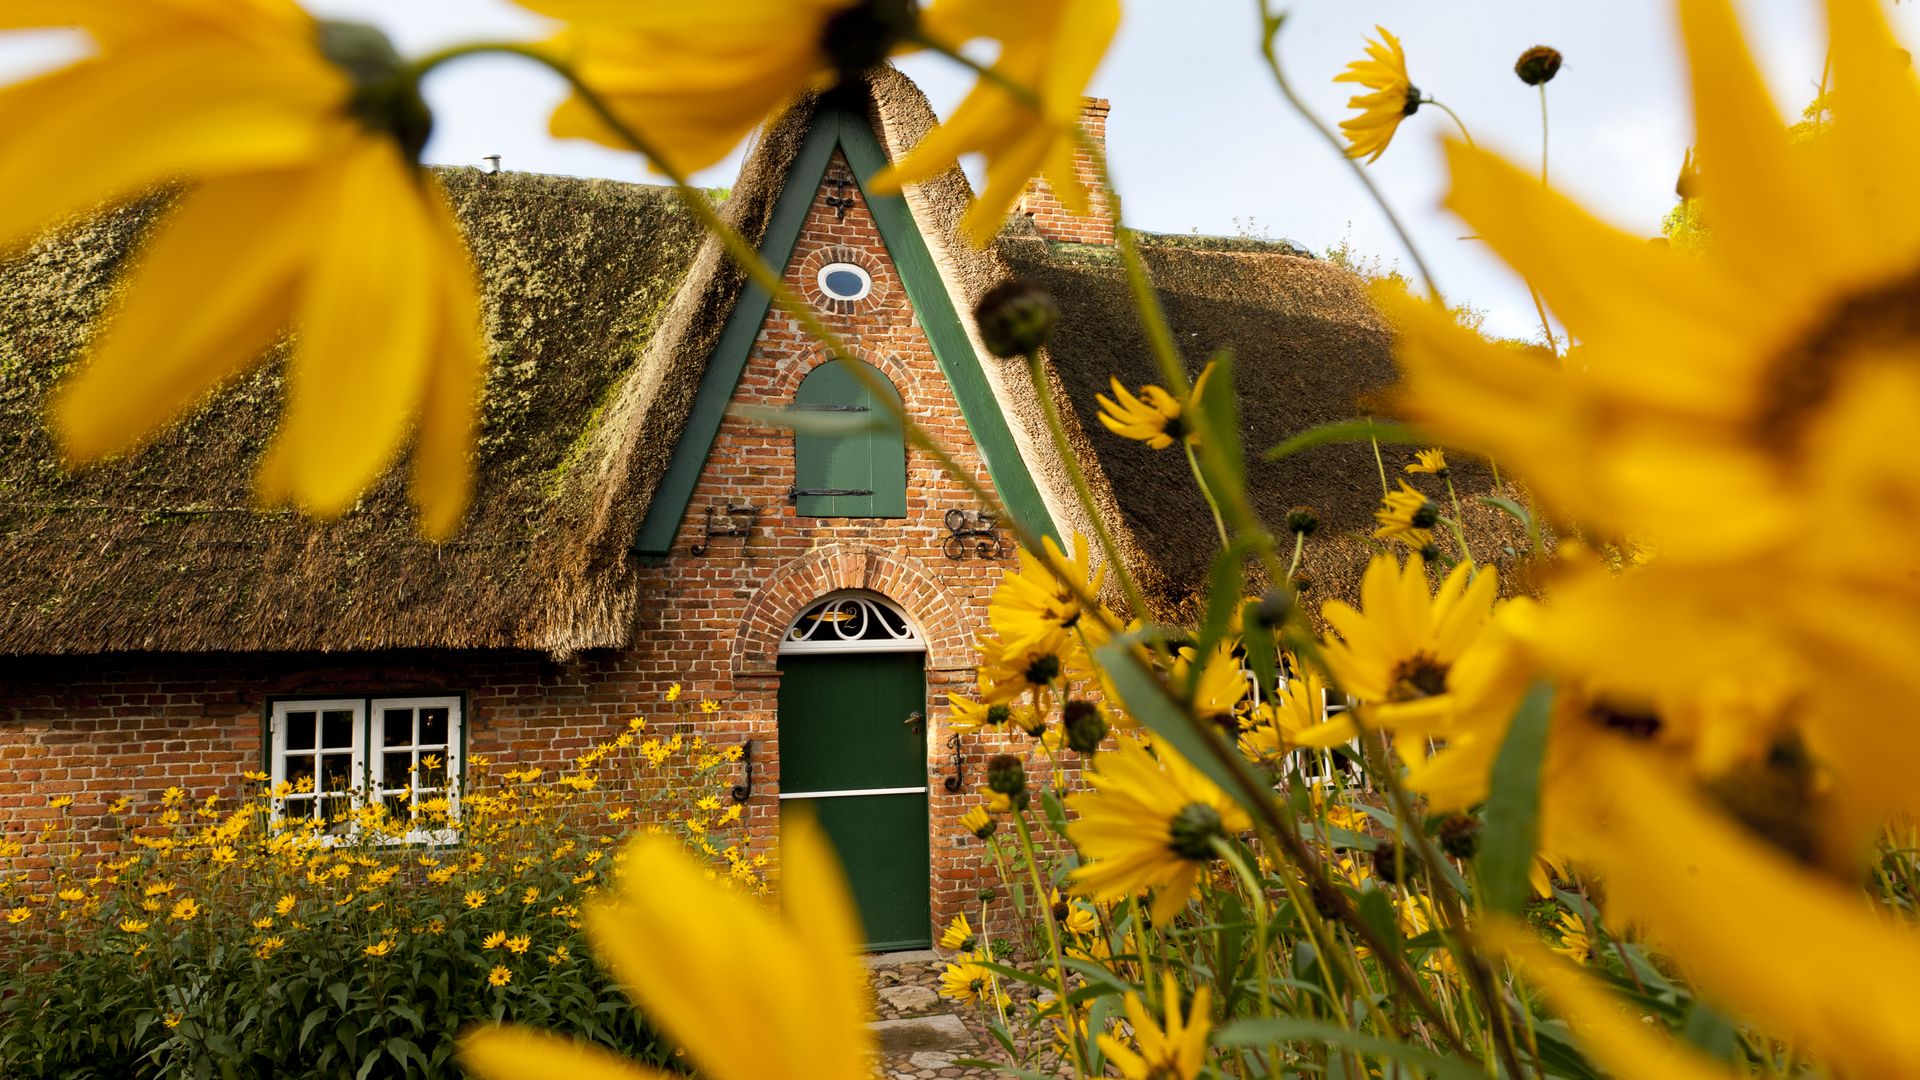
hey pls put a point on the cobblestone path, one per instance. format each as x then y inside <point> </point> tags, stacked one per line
<point>922,1035</point>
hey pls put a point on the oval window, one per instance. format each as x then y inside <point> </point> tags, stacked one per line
<point>845,281</point>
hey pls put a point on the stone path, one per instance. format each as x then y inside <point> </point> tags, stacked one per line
<point>923,1035</point>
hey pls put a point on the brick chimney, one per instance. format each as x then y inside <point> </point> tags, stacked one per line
<point>1053,220</point>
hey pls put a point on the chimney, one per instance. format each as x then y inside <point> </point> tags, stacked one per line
<point>1053,220</point>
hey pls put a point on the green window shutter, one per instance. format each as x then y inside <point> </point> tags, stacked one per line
<point>861,474</point>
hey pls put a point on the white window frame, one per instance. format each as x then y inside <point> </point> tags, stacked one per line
<point>816,642</point>
<point>367,785</point>
<point>866,281</point>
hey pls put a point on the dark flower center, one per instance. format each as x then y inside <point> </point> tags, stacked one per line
<point>1043,670</point>
<point>1418,676</point>
<point>1633,723</point>
<point>386,95</point>
<point>1193,831</point>
<point>858,38</point>
<point>1803,378</point>
<point>1413,101</point>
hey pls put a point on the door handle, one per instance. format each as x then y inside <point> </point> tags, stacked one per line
<point>916,719</point>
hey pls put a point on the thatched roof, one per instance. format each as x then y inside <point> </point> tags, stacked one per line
<point>603,304</point>
<point>602,300</point>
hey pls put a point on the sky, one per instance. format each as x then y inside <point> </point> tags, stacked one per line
<point>1200,139</point>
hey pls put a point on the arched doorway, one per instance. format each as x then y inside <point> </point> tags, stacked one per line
<point>853,751</point>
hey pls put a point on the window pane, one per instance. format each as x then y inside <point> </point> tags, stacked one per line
<point>300,730</point>
<point>399,726</point>
<point>335,808</point>
<point>336,729</point>
<point>299,806</point>
<point>336,772</point>
<point>394,769</point>
<point>397,809</point>
<point>433,727</point>
<point>299,767</point>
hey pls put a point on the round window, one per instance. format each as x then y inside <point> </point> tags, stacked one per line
<point>845,281</point>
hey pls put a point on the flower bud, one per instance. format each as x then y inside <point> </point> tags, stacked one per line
<point>1016,317</point>
<point>1301,520</point>
<point>1538,65</point>
<point>999,714</point>
<point>1427,516</point>
<point>1085,726</point>
<point>1430,552</point>
<point>1006,774</point>
<point>386,94</point>
<point>1274,609</point>
<point>1459,835</point>
<point>1385,864</point>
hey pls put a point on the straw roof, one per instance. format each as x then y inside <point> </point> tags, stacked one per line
<point>603,303</point>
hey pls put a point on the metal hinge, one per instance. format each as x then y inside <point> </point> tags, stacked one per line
<point>825,493</point>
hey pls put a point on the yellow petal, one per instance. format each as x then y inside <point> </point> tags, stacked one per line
<point>443,452</point>
<point>360,364</point>
<point>1807,957</point>
<point>820,914</point>
<point>1877,92</point>
<point>518,1053</point>
<point>197,310</point>
<point>103,129</point>
<point>680,943</point>
<point>1619,1042</point>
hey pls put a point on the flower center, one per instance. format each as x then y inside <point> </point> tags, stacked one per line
<point>1044,669</point>
<point>386,95</point>
<point>858,37</point>
<point>1193,830</point>
<point>1633,723</point>
<point>1418,676</point>
<point>1413,101</point>
<point>1802,378</point>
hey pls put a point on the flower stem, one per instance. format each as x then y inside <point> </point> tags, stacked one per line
<point>1053,942</point>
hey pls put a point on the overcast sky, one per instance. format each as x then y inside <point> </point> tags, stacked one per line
<point>1199,138</point>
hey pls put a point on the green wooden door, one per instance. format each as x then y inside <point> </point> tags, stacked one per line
<point>849,754</point>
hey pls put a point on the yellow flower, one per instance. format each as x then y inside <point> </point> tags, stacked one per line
<point>380,948</point>
<point>1432,462</point>
<point>558,956</point>
<point>494,940</point>
<point>1154,417</point>
<point>1575,942</point>
<point>968,982</point>
<point>285,905</point>
<point>978,822</point>
<point>185,910</point>
<point>72,895</point>
<point>1274,727</point>
<point>172,796</point>
<point>1393,97</point>
<point>501,975</point>
<point>307,207</point>
<point>519,943</point>
<point>264,922</point>
<point>19,914</point>
<point>1407,516</point>
<point>1033,605</point>
<point>1174,1052</point>
<point>673,692</point>
<point>268,946</point>
<point>1049,47</point>
<point>958,935</point>
<point>59,802</point>
<point>133,926</point>
<point>172,1019</point>
<point>709,707</point>
<point>1399,656</point>
<point>475,898</point>
<point>1149,823</point>
<point>676,941</point>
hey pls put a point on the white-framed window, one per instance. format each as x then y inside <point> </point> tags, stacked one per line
<point>335,755</point>
<point>844,281</point>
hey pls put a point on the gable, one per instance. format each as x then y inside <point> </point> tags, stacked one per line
<point>838,134</point>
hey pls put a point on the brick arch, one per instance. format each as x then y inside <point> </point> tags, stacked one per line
<point>905,581</point>
<point>895,368</point>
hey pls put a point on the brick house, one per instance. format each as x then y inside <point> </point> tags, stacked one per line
<point>631,530</point>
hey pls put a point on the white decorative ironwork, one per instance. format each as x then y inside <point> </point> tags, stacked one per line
<point>852,622</point>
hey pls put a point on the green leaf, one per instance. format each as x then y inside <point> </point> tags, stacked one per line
<point>1711,1032</point>
<point>1148,700</point>
<point>1055,812</point>
<point>1220,455</point>
<point>1262,658</point>
<point>1224,589</point>
<point>339,992</point>
<point>1377,910</point>
<point>1512,509</point>
<point>1294,1029</point>
<point>1387,432</point>
<point>812,422</point>
<point>1513,805</point>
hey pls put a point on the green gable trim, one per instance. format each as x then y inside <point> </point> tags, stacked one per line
<point>951,349</point>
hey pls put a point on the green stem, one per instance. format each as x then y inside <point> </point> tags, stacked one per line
<point>1299,545</point>
<point>1053,943</point>
<point>1036,373</point>
<point>1207,493</point>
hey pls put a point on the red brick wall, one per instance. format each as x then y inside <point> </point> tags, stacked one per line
<point>99,728</point>
<point>1053,220</point>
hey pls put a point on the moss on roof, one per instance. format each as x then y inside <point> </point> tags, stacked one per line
<point>162,550</point>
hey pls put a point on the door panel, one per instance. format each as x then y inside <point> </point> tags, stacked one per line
<point>843,728</point>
